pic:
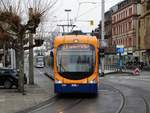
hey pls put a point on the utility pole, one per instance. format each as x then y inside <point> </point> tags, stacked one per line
<point>4,51</point>
<point>63,26</point>
<point>102,36</point>
<point>31,71</point>
<point>68,10</point>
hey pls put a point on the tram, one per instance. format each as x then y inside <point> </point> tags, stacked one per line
<point>76,64</point>
<point>39,61</point>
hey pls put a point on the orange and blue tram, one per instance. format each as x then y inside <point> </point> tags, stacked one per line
<point>76,64</point>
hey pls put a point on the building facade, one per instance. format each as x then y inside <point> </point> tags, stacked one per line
<point>124,26</point>
<point>108,28</point>
<point>110,49</point>
<point>144,33</point>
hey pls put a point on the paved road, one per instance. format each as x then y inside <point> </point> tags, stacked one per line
<point>115,95</point>
<point>77,103</point>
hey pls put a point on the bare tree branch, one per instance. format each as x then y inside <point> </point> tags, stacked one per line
<point>4,5</point>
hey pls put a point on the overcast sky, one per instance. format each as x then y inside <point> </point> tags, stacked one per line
<point>81,11</point>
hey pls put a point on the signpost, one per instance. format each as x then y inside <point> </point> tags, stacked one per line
<point>120,50</point>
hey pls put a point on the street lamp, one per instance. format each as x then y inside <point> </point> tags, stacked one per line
<point>68,10</point>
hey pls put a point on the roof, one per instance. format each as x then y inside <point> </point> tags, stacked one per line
<point>76,39</point>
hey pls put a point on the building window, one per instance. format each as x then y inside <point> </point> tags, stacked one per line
<point>122,15</point>
<point>117,30</point>
<point>114,18</point>
<point>130,25</point>
<point>120,29</point>
<point>114,31</point>
<point>126,14</point>
<point>114,43</point>
<point>123,27</point>
<point>123,42</point>
<point>130,11</point>
<point>130,42</point>
<point>117,17</point>
<point>126,27</point>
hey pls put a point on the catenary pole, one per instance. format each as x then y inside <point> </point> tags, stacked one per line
<point>31,70</point>
<point>102,35</point>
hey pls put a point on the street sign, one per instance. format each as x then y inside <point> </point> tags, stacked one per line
<point>101,53</point>
<point>119,49</point>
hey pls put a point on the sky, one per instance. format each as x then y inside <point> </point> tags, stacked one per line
<point>81,12</point>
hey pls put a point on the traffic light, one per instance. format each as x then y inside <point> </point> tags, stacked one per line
<point>91,22</point>
<point>101,52</point>
<point>38,42</point>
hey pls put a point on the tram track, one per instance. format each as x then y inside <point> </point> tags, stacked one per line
<point>71,106</point>
<point>54,100</point>
<point>122,105</point>
<point>78,102</point>
<point>123,102</point>
<point>146,105</point>
<point>73,103</point>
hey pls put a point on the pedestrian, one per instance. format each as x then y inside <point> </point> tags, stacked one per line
<point>141,65</point>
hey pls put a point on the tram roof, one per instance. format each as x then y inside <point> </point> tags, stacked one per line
<point>76,39</point>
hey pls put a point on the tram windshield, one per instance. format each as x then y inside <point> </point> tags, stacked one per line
<point>75,61</point>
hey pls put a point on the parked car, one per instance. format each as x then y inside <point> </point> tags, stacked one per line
<point>9,78</point>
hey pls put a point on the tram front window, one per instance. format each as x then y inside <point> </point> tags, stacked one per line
<point>75,63</point>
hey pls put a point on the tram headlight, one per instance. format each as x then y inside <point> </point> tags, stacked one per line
<point>58,82</point>
<point>92,81</point>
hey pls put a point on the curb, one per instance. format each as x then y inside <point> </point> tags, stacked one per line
<point>50,76</point>
<point>130,73</point>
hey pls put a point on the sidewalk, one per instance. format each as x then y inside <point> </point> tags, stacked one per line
<point>129,71</point>
<point>49,72</point>
<point>11,101</point>
<point>142,73</point>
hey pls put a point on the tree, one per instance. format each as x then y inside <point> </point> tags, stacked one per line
<point>14,29</point>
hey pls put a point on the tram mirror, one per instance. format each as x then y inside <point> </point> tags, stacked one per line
<point>51,54</point>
